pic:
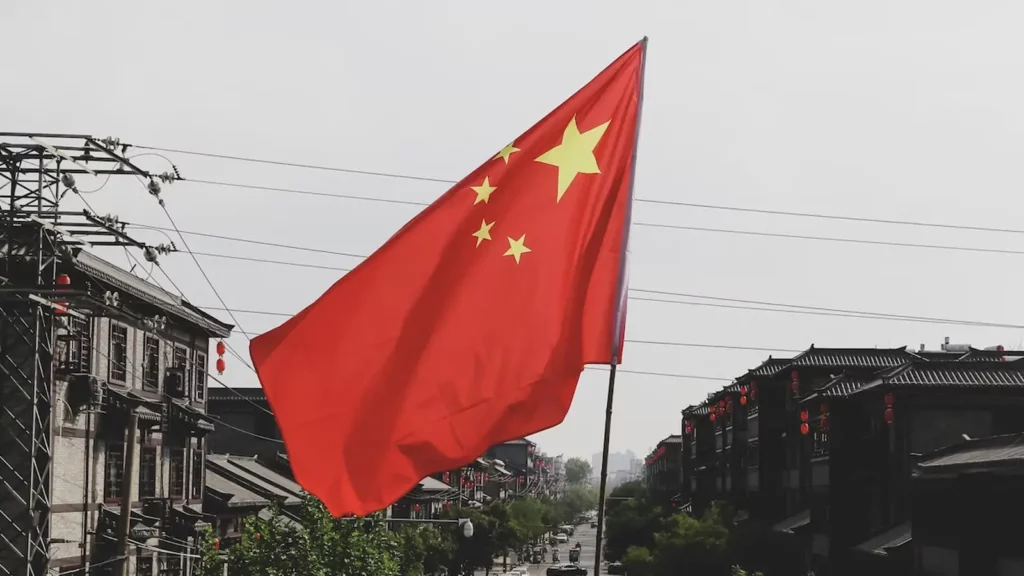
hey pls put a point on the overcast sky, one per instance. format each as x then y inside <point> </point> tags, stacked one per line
<point>885,109</point>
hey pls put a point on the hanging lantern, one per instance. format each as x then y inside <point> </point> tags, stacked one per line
<point>220,366</point>
<point>888,399</point>
<point>415,507</point>
<point>743,390</point>
<point>888,415</point>
<point>216,543</point>
<point>63,281</point>
<point>721,403</point>
<point>712,417</point>
<point>728,408</point>
<point>795,387</point>
<point>689,430</point>
<point>804,416</point>
<point>805,428</point>
<point>824,421</point>
<point>824,408</point>
<point>743,400</point>
<point>714,408</point>
<point>447,477</point>
<point>221,348</point>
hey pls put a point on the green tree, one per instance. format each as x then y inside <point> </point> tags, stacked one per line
<point>578,471</point>
<point>691,546</point>
<point>316,545</point>
<point>424,549</point>
<point>632,519</point>
<point>638,561</point>
<point>575,501</point>
<point>211,561</point>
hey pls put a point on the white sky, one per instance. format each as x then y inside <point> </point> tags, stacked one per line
<point>896,110</point>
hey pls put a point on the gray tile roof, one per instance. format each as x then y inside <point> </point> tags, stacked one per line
<point>977,373</point>
<point>891,538</point>
<point>234,494</point>
<point>125,281</point>
<point>852,357</point>
<point>256,477</point>
<point>1006,450</point>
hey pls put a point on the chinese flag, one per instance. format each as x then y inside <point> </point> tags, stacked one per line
<point>472,324</point>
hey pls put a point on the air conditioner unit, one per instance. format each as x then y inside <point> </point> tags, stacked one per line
<point>174,382</point>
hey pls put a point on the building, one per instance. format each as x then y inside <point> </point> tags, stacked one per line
<point>955,491</point>
<point>818,449</point>
<point>145,360</point>
<point>663,469</point>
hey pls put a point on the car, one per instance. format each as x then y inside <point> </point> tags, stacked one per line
<point>566,570</point>
<point>562,538</point>
<point>593,524</point>
<point>615,568</point>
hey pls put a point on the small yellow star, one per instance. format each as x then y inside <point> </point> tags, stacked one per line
<point>575,155</point>
<point>506,152</point>
<point>484,233</point>
<point>483,192</point>
<point>516,248</point>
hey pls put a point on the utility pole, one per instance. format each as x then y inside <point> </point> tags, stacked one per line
<point>124,521</point>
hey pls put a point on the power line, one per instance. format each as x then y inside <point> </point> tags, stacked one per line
<point>251,241</point>
<point>266,261</point>
<point>394,175</point>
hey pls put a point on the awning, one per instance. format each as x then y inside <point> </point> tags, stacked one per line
<point>190,417</point>
<point>891,538</point>
<point>429,484</point>
<point>128,401</point>
<point>793,523</point>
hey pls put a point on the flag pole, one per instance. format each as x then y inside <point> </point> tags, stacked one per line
<point>618,319</point>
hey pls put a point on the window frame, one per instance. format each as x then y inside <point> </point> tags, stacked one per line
<point>150,369</point>
<point>183,473</point>
<point>200,375</point>
<point>79,345</point>
<point>113,475</point>
<point>198,457</point>
<point>112,364</point>
<point>150,481</point>
<point>179,352</point>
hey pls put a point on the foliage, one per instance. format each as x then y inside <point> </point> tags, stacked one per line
<point>638,561</point>
<point>575,501</point>
<point>578,471</point>
<point>318,545</point>
<point>632,519</point>
<point>210,563</point>
<point>424,549</point>
<point>697,546</point>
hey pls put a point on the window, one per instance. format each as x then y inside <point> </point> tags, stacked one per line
<point>144,565</point>
<point>198,476</point>
<point>118,370</point>
<point>147,472</point>
<point>151,363</point>
<point>79,344</point>
<point>754,454</point>
<point>114,468</point>
<point>200,365</point>
<point>170,565</point>
<point>177,473</point>
<point>180,360</point>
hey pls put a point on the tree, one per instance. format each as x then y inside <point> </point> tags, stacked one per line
<point>632,519</point>
<point>211,562</point>
<point>691,546</point>
<point>578,471</point>
<point>638,561</point>
<point>316,545</point>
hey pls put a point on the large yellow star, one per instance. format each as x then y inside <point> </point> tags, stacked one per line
<point>484,233</point>
<point>516,248</point>
<point>483,192</point>
<point>575,155</point>
<point>506,152</point>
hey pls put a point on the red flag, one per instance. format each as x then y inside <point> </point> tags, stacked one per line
<point>472,324</point>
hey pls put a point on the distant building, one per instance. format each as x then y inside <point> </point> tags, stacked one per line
<point>616,461</point>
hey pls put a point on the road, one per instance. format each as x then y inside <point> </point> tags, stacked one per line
<point>585,535</point>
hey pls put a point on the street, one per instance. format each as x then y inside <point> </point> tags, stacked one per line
<point>584,535</point>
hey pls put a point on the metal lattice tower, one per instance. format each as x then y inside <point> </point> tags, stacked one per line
<point>36,239</point>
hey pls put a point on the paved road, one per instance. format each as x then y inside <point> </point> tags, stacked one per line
<point>586,536</point>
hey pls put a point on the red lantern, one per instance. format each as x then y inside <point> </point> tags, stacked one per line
<point>743,390</point>
<point>795,387</point>
<point>888,415</point>
<point>220,366</point>
<point>888,398</point>
<point>824,408</point>
<point>804,428</point>
<point>794,376</point>
<point>804,415</point>
<point>447,477</point>
<point>753,385</point>
<point>62,280</point>
<point>221,348</point>
<point>689,430</point>
<point>216,543</point>
<point>447,504</point>
<point>714,408</point>
<point>721,403</point>
<point>728,408</point>
<point>824,422</point>
<point>415,507</point>
<point>743,400</point>
<point>712,417</point>
<point>257,535</point>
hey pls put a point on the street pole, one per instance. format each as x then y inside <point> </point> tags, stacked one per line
<point>125,518</point>
<point>604,471</point>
